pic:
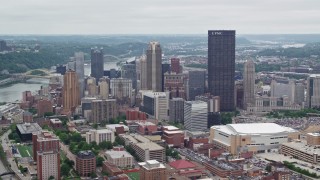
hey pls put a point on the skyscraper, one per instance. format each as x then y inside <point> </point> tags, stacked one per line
<point>221,66</point>
<point>195,84</point>
<point>141,70</point>
<point>104,88</point>
<point>175,65</point>
<point>79,65</point>
<point>196,115</point>
<point>71,92</point>
<point>154,67</point>
<point>248,83</point>
<point>128,71</point>
<point>313,91</point>
<point>97,63</point>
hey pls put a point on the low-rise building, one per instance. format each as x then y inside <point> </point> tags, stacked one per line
<point>99,136</point>
<point>223,168</point>
<point>25,130</point>
<point>255,137</point>
<point>120,158</point>
<point>111,169</point>
<point>55,123</point>
<point>118,128</point>
<point>146,128</point>
<point>302,151</point>
<point>152,169</point>
<point>313,139</point>
<point>149,151</point>
<point>174,138</point>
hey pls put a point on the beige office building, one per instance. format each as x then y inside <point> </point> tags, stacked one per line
<point>99,136</point>
<point>248,83</point>
<point>71,91</point>
<point>154,67</point>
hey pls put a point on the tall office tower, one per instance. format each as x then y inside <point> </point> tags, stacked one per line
<point>128,71</point>
<point>71,65</point>
<point>196,84</point>
<point>154,67</point>
<point>141,70</point>
<point>214,117</point>
<point>175,65</point>
<point>165,69</point>
<point>71,92</point>
<point>91,87</point>
<point>239,93</point>
<point>174,84</point>
<point>79,68</point>
<point>299,93</point>
<point>103,110</point>
<point>248,83</point>
<point>121,89</point>
<point>221,66</point>
<point>156,104</point>
<point>46,152</point>
<point>313,91</point>
<point>97,63</point>
<point>104,88</point>
<point>176,110</point>
<point>196,115</point>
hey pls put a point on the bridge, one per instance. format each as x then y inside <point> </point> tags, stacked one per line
<point>26,76</point>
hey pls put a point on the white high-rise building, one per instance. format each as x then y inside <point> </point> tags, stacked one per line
<point>196,115</point>
<point>104,88</point>
<point>156,104</point>
<point>248,83</point>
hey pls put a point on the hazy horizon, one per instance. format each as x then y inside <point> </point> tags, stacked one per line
<point>122,17</point>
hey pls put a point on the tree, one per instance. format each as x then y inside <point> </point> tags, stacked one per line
<point>93,175</point>
<point>64,137</point>
<point>48,114</point>
<point>51,177</point>
<point>95,125</point>
<point>99,161</point>
<point>65,169</point>
<point>69,162</point>
<point>76,137</point>
<point>105,145</point>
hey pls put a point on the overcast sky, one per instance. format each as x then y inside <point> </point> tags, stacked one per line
<point>158,16</point>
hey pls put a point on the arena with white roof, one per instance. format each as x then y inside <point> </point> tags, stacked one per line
<point>255,137</point>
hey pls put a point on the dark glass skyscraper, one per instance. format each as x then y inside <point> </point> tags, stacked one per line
<point>97,63</point>
<point>221,66</point>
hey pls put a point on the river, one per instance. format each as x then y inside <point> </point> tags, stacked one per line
<point>14,92</point>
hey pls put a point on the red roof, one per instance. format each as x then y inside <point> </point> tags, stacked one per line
<point>182,164</point>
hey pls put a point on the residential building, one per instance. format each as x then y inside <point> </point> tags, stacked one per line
<point>221,66</point>
<point>196,115</point>
<point>103,110</point>
<point>46,153</point>
<point>99,136</point>
<point>248,83</point>
<point>176,110</point>
<point>85,163</point>
<point>152,169</point>
<point>254,137</point>
<point>97,63</point>
<point>71,92</point>
<point>44,106</point>
<point>154,67</point>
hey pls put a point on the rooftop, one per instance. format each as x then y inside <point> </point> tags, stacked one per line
<point>85,154</point>
<point>118,154</point>
<point>151,164</point>
<point>182,164</point>
<point>149,145</point>
<point>28,128</point>
<point>303,147</point>
<point>113,126</point>
<point>253,128</point>
<point>170,128</point>
<point>55,121</point>
<point>314,134</point>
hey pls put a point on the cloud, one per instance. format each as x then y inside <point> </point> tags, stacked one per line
<point>158,16</point>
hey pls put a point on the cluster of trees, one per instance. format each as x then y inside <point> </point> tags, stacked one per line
<point>14,135</point>
<point>226,117</point>
<point>172,153</point>
<point>66,166</point>
<point>300,170</point>
<point>302,52</point>
<point>292,114</point>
